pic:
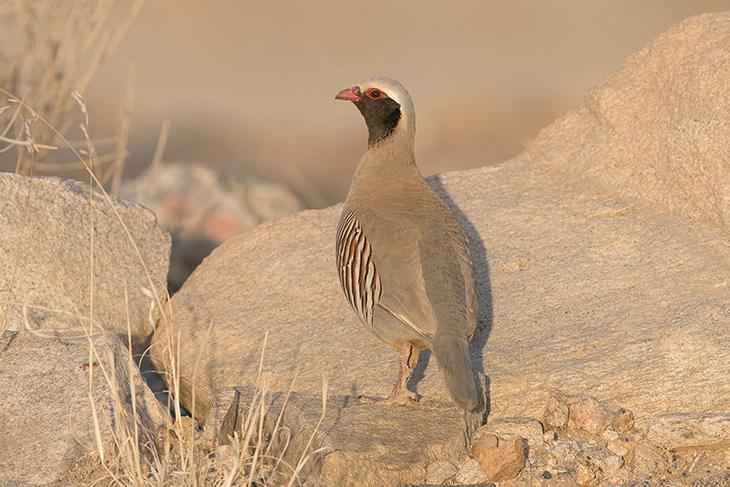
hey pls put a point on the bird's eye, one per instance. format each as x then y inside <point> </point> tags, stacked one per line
<point>375,94</point>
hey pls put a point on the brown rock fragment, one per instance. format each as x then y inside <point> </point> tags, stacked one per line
<point>584,475</point>
<point>470,472</point>
<point>647,461</point>
<point>583,412</point>
<point>556,413</point>
<point>500,458</point>
<point>593,416</point>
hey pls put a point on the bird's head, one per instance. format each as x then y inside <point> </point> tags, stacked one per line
<point>386,106</point>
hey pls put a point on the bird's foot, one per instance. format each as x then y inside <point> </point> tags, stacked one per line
<point>400,398</point>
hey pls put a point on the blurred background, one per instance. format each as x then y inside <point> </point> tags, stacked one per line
<point>251,84</point>
<point>245,89</point>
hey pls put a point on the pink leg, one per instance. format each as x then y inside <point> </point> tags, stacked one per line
<point>408,357</point>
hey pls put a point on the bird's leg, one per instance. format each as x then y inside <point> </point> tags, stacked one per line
<point>400,395</point>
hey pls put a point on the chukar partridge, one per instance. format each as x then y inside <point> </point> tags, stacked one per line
<point>402,257</point>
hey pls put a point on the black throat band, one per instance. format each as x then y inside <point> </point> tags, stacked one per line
<point>381,117</point>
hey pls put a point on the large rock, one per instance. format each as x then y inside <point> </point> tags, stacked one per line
<point>46,256</point>
<point>584,281</point>
<point>657,130</point>
<point>351,444</point>
<point>47,425</point>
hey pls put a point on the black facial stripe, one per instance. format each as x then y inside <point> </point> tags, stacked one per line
<point>381,117</point>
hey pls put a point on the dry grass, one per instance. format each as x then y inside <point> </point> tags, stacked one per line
<point>57,46</point>
<point>177,454</point>
<point>174,455</point>
<point>52,48</point>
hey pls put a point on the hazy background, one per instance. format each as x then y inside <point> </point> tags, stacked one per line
<point>250,85</point>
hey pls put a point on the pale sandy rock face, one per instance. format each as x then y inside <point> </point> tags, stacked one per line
<point>353,444</point>
<point>600,256</point>
<point>47,422</point>
<point>683,431</point>
<point>46,257</point>
<point>657,129</point>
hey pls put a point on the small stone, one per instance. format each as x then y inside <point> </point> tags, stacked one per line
<point>584,475</point>
<point>560,449</point>
<point>560,480</point>
<point>593,416</point>
<point>482,440</point>
<point>549,436</point>
<point>647,461</point>
<point>186,430</point>
<point>528,428</point>
<point>618,447</point>
<point>612,463</point>
<point>503,461</point>
<point>440,471</point>
<point>556,412</point>
<point>610,434</point>
<point>514,483</point>
<point>601,459</point>
<point>538,457</point>
<point>470,472</point>
<point>187,422</point>
<point>583,412</point>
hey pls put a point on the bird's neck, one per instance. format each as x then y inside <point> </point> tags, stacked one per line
<point>394,154</point>
<point>386,169</point>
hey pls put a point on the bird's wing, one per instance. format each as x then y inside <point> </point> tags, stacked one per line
<point>386,273</point>
<point>418,273</point>
<point>421,268</point>
<point>359,278</point>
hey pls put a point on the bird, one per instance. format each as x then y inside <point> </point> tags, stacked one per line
<point>402,257</point>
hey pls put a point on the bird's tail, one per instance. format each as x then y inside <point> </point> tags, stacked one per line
<point>452,354</point>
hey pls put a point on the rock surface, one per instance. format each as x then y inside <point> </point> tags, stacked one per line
<point>657,129</point>
<point>583,412</point>
<point>45,405</point>
<point>45,258</point>
<point>355,445</point>
<point>682,431</point>
<point>584,281</point>
<point>527,428</point>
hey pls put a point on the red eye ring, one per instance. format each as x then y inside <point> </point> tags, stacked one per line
<point>375,94</point>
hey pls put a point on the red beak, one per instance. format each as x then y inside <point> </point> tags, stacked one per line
<point>349,94</point>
